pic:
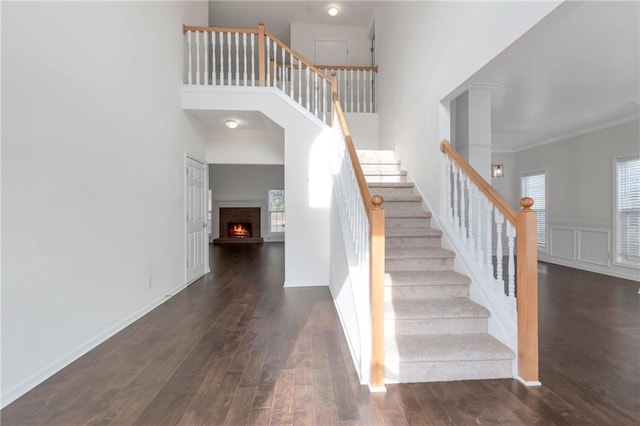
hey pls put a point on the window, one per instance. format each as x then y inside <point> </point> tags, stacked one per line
<point>628,210</point>
<point>276,210</point>
<point>534,186</point>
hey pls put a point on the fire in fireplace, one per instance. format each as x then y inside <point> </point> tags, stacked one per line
<point>239,230</point>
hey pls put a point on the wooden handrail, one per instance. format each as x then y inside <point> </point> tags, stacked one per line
<point>357,168</point>
<point>525,222</point>
<point>298,56</point>
<point>482,184</point>
<point>348,67</point>
<point>375,214</point>
<point>186,28</point>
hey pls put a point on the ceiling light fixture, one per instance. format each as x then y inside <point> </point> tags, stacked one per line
<point>232,124</point>
<point>332,11</point>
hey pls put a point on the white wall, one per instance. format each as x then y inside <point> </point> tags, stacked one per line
<point>307,178</point>
<point>304,35</point>
<point>580,177</point>
<point>93,155</point>
<point>426,50</point>
<point>364,129</point>
<point>234,183</point>
<point>252,146</point>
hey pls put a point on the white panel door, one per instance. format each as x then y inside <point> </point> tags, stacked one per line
<point>331,52</point>
<point>196,209</point>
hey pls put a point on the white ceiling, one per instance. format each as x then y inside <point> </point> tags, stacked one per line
<point>213,120</point>
<point>577,69</point>
<point>278,15</point>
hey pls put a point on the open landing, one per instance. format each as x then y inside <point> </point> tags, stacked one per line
<point>236,348</point>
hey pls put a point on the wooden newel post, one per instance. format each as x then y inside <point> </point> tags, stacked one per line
<point>262,67</point>
<point>376,261</point>
<point>334,84</point>
<point>527,292</point>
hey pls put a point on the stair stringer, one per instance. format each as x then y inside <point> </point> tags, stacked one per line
<point>501,322</point>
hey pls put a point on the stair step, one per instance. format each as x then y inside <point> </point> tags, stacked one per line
<point>376,168</point>
<point>370,155</point>
<point>402,202</point>
<point>434,309</point>
<point>387,178</point>
<point>434,316</point>
<point>418,259</point>
<point>426,284</point>
<point>411,359</point>
<point>413,241</point>
<point>390,191</point>
<point>412,232</point>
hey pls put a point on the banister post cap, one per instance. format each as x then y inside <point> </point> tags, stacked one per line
<point>377,200</point>
<point>526,203</point>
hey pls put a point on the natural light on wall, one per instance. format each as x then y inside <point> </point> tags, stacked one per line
<point>319,170</point>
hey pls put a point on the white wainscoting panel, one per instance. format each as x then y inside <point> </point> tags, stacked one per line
<point>585,246</point>
<point>562,242</point>
<point>594,246</point>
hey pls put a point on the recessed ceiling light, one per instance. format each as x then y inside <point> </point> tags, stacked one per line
<point>232,124</point>
<point>332,11</point>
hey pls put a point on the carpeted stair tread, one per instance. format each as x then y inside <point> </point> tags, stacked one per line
<point>400,231</point>
<point>427,278</point>
<point>401,198</point>
<point>446,348</point>
<point>453,308</point>
<point>387,173</point>
<point>410,214</point>
<point>390,185</point>
<point>422,252</point>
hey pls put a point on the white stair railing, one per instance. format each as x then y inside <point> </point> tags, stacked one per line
<point>355,86</point>
<point>482,220</point>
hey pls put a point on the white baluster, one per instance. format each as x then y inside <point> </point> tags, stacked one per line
<point>315,86</point>
<point>499,219</point>
<point>456,217</point>
<point>268,55</point>
<point>448,173</point>
<point>308,87</point>
<point>370,89</point>
<point>292,78</point>
<point>190,64</point>
<point>479,235</point>
<point>463,211</point>
<point>206,58</point>
<point>488,235</point>
<point>244,57</point>
<point>229,75</point>
<point>351,92</point>
<point>237,59</point>
<point>324,100</point>
<point>253,60</point>
<point>358,89</point>
<point>198,58</point>
<point>275,64</point>
<point>511,265</point>
<point>300,82</point>
<point>213,58</point>
<point>221,39</point>
<point>284,72</point>
<point>471,198</point>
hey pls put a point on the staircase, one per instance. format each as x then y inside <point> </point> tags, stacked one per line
<point>433,331</point>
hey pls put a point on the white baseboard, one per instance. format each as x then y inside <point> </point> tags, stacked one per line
<point>377,389</point>
<point>17,391</point>
<point>633,275</point>
<point>290,284</point>
<point>527,383</point>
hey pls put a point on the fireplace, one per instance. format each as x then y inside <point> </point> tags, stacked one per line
<point>239,225</point>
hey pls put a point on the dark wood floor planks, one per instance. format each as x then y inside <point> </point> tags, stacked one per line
<point>236,348</point>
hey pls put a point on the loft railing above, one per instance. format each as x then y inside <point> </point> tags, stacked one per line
<point>241,57</point>
<point>482,218</point>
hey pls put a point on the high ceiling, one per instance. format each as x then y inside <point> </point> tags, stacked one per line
<point>577,69</point>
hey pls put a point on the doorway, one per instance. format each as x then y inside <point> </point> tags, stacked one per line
<point>197,242</point>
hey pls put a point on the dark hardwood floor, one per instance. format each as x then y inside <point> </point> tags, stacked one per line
<point>236,348</point>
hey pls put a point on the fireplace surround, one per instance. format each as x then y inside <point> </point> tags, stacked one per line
<point>239,225</point>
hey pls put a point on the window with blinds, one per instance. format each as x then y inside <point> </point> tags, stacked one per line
<point>628,209</point>
<point>276,210</point>
<point>534,186</point>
